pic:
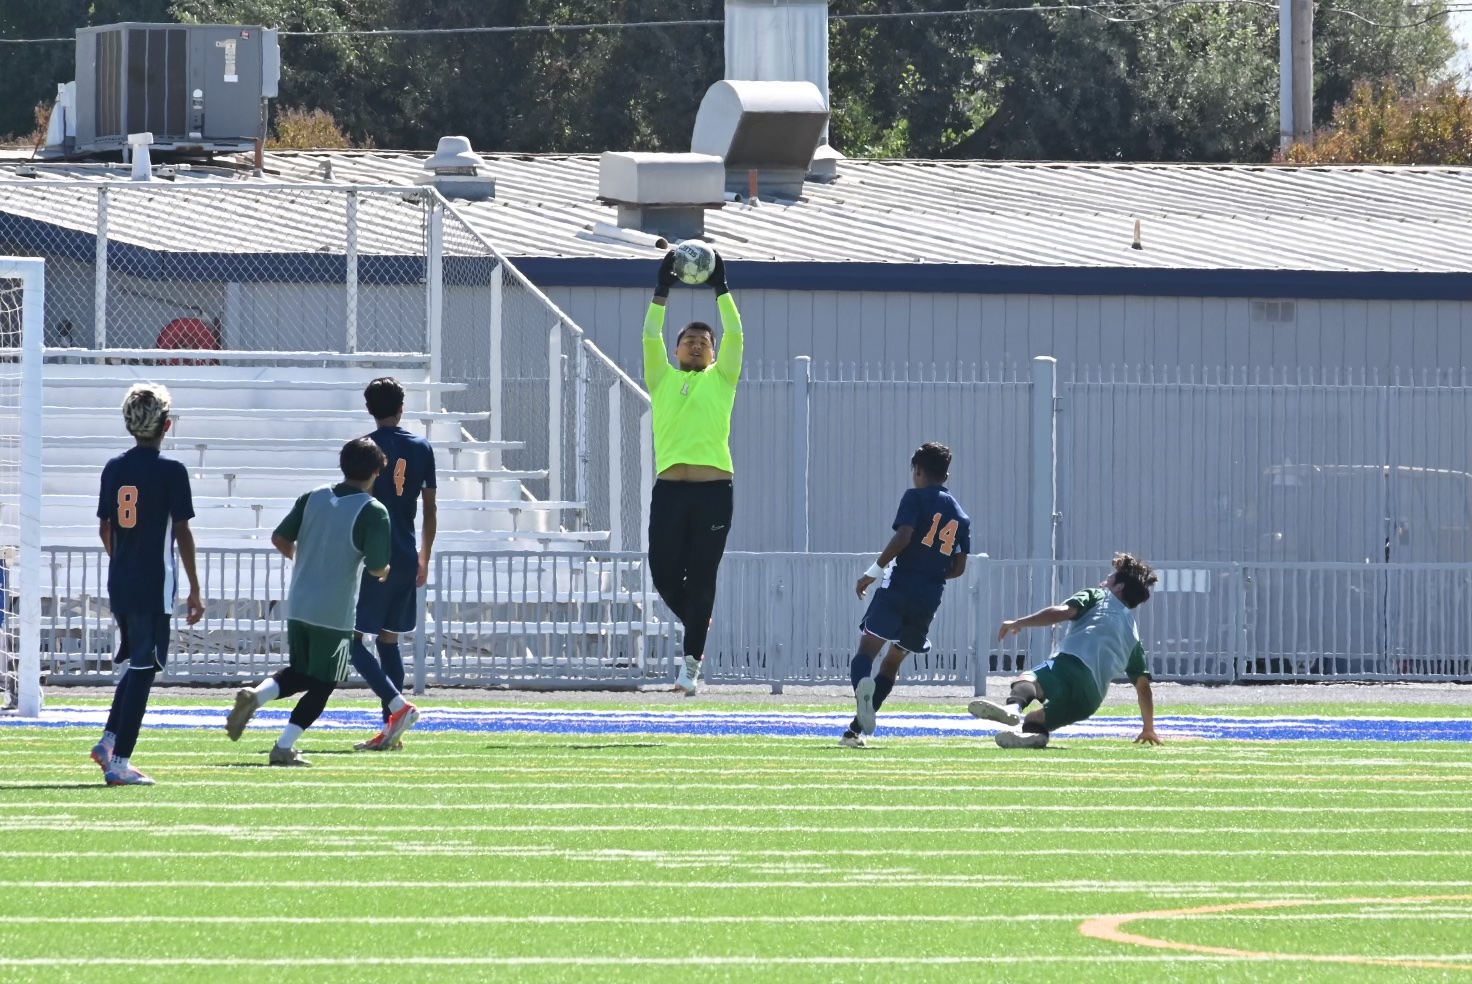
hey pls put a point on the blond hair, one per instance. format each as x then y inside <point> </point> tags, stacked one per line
<point>146,410</point>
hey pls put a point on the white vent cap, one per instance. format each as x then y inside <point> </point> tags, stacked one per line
<point>453,155</point>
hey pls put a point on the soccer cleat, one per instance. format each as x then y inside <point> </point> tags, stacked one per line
<point>127,777</point>
<point>688,682</point>
<point>1000,713</point>
<point>398,722</point>
<point>1021,739</point>
<point>851,740</point>
<point>286,756</point>
<point>374,744</point>
<point>864,699</point>
<point>241,713</point>
<point>102,755</point>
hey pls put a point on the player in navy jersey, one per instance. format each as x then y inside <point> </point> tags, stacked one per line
<point>388,609</point>
<point>143,510</point>
<point>932,536</point>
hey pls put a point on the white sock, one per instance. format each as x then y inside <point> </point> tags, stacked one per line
<point>289,736</point>
<point>397,704</point>
<point>120,764</point>
<point>109,739</point>
<point>267,691</point>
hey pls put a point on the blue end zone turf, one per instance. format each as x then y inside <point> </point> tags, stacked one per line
<point>785,724</point>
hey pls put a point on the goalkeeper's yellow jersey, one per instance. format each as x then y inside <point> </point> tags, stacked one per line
<point>692,410</point>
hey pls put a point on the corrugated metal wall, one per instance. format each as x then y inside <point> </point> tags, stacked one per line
<point>1001,329</point>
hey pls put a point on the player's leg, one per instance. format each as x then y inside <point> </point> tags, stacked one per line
<point>148,639</point>
<point>1024,690</point>
<point>1069,695</point>
<point>386,608</point>
<point>861,672</point>
<point>102,751</point>
<point>323,656</point>
<point>668,542</point>
<point>712,504</point>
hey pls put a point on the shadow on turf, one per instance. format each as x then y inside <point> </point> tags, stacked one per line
<point>61,785</point>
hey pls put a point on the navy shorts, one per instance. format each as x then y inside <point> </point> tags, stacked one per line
<point>388,606</point>
<point>143,641</point>
<point>895,618</point>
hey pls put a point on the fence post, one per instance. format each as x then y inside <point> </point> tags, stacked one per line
<point>554,412</point>
<point>497,361</point>
<point>421,641</point>
<point>33,323</point>
<point>615,467</point>
<point>580,428</point>
<point>99,280</point>
<point>350,271</point>
<point>1238,624</point>
<point>981,634</point>
<point>1044,505</point>
<point>434,295</point>
<point>802,377</point>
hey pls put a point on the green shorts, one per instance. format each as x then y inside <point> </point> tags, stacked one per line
<point>322,654</point>
<point>1069,692</point>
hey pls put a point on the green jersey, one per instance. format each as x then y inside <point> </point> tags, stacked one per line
<point>337,531</point>
<point>1104,638</point>
<point>692,410</point>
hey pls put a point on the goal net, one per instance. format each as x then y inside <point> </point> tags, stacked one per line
<point>21,299</point>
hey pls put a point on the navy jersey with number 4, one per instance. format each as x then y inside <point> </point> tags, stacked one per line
<point>942,530</point>
<point>143,495</point>
<point>410,470</point>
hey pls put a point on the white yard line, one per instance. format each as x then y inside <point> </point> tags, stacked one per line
<point>916,880</point>
<point>377,807</point>
<point>717,856</point>
<point>687,961</point>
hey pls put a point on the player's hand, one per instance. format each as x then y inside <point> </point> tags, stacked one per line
<point>667,276</point>
<point>863,586</point>
<point>195,608</point>
<point>1148,737</point>
<point>1008,628</point>
<point>422,578</point>
<point>717,278</point>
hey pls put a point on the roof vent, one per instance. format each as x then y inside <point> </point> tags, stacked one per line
<point>662,194</point>
<point>458,172</point>
<point>772,128</point>
<point>824,168</point>
<point>138,144</point>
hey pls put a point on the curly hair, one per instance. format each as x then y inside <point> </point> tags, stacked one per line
<point>1135,578</point>
<point>146,410</point>
<point>934,459</point>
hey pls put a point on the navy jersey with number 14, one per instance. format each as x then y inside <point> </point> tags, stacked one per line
<point>942,530</point>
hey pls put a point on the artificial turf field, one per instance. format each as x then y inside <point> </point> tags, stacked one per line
<point>681,845</point>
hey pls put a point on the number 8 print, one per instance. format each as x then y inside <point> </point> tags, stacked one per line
<point>128,506</point>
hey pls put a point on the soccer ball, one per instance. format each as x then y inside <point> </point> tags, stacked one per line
<point>694,261</point>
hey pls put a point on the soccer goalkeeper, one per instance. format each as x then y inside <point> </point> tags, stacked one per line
<point>690,510</point>
<point>1102,643</point>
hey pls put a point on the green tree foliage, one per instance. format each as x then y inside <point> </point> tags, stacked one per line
<point>1125,82</point>
<point>1380,125</point>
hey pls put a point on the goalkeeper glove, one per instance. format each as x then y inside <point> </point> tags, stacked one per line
<point>666,275</point>
<point>717,278</point>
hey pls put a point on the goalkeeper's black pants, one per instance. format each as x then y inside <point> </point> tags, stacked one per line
<point>688,525</point>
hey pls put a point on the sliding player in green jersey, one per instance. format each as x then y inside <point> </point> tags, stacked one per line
<point>1102,643</point>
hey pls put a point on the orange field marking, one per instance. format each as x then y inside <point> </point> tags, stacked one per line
<point>1108,928</point>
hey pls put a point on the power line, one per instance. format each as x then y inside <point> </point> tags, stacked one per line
<point>1101,10</point>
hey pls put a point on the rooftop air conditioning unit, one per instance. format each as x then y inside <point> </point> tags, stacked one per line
<point>195,87</point>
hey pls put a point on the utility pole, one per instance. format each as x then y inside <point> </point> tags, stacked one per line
<point>1295,72</point>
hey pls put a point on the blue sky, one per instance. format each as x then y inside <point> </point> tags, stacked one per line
<point>1462,28</point>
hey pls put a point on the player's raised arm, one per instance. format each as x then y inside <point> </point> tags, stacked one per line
<point>733,342</point>
<point>656,362</point>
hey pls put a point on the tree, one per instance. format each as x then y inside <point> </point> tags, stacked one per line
<point>1379,125</point>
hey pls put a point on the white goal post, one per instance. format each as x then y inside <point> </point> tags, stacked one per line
<point>22,320</point>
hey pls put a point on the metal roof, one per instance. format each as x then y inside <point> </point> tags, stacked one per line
<point>1400,220</point>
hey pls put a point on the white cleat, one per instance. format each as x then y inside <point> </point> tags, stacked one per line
<point>688,682</point>
<point>864,701</point>
<point>853,741</point>
<point>1000,713</point>
<point>1021,739</point>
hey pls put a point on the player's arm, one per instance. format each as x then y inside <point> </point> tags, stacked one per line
<point>283,538</point>
<point>431,527</point>
<point>1139,675</point>
<point>656,361</point>
<point>104,513</point>
<point>958,566</point>
<point>181,511</point>
<point>903,534</point>
<point>1041,618</point>
<point>104,533</point>
<point>372,534</point>
<point>184,538</point>
<point>733,342</point>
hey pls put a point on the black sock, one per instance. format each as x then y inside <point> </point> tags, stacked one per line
<point>1024,692</point>
<point>882,686</point>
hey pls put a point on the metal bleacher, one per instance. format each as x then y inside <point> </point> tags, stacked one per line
<point>255,438</point>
